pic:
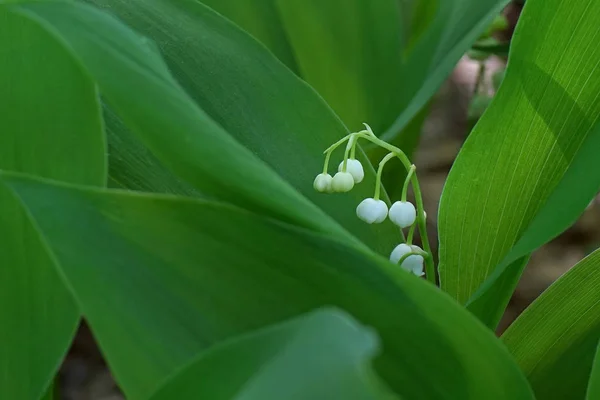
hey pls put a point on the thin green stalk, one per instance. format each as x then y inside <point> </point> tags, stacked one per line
<point>403,236</point>
<point>480,78</point>
<point>429,265</point>
<point>407,181</point>
<point>326,166</point>
<point>379,172</point>
<point>349,146</point>
<point>336,144</point>
<point>411,233</point>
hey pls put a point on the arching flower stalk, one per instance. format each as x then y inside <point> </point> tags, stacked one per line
<point>373,210</point>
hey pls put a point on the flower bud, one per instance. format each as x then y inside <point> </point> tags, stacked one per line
<point>412,263</point>
<point>342,182</point>
<point>322,183</point>
<point>372,211</point>
<point>403,214</point>
<point>355,168</point>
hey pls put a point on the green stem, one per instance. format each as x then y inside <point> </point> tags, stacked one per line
<point>379,172</point>
<point>480,78</point>
<point>407,181</point>
<point>385,145</point>
<point>411,233</point>
<point>403,236</point>
<point>429,266</point>
<point>349,146</point>
<point>326,166</point>
<point>336,144</point>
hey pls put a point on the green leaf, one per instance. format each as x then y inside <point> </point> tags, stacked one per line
<point>133,166</point>
<point>51,392</point>
<point>260,18</point>
<point>322,355</point>
<point>350,52</point>
<point>161,278</point>
<point>374,61</point>
<point>256,99</point>
<point>433,52</point>
<point>529,168</point>
<point>593,390</point>
<point>50,126</point>
<point>138,86</point>
<point>555,339</point>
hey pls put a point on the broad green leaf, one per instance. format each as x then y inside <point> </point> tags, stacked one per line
<point>350,51</point>
<point>433,52</point>
<point>374,61</point>
<point>260,18</point>
<point>256,99</point>
<point>243,88</point>
<point>132,165</point>
<point>50,392</point>
<point>324,355</point>
<point>50,126</point>
<point>137,85</point>
<point>555,339</point>
<point>593,390</point>
<point>161,278</point>
<point>528,169</point>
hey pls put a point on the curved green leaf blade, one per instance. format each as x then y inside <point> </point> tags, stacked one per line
<point>509,189</point>
<point>350,52</point>
<point>555,339</point>
<point>133,166</point>
<point>446,29</point>
<point>155,300</point>
<point>262,20</point>
<point>375,61</point>
<point>324,355</point>
<point>177,131</point>
<point>257,100</point>
<point>50,126</point>
<point>593,390</point>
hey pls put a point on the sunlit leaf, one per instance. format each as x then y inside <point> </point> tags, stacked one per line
<point>529,168</point>
<point>555,339</point>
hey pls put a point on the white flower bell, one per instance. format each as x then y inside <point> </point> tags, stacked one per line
<point>322,183</point>
<point>342,182</point>
<point>412,263</point>
<point>372,211</point>
<point>403,214</point>
<point>415,262</point>
<point>355,168</point>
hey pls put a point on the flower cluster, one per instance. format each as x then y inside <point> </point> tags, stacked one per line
<point>373,210</point>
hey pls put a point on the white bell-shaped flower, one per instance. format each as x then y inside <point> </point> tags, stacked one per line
<point>342,182</point>
<point>355,168</point>
<point>372,211</point>
<point>399,251</point>
<point>403,214</point>
<point>322,183</point>
<point>415,262</point>
<point>412,263</point>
